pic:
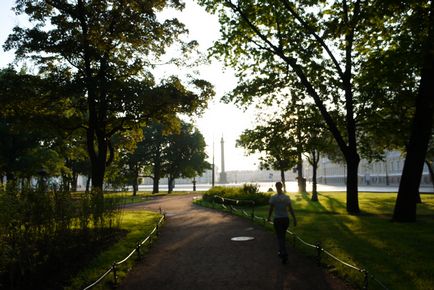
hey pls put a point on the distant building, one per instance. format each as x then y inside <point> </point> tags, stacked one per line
<point>387,172</point>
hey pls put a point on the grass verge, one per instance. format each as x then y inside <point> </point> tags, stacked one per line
<point>138,224</point>
<point>400,255</point>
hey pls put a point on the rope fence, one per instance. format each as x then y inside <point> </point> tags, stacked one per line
<point>113,268</point>
<point>319,250</point>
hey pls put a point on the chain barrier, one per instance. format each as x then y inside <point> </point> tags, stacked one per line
<point>319,249</point>
<point>113,268</point>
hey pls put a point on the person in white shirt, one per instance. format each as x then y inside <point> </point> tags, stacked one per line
<point>280,203</point>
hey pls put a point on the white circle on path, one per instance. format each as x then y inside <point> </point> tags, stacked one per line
<point>242,239</point>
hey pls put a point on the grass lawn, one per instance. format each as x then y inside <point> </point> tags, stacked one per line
<point>138,224</point>
<point>401,256</point>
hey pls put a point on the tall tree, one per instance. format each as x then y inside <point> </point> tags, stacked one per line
<point>311,41</point>
<point>405,207</point>
<point>398,67</point>
<point>185,155</point>
<point>108,47</point>
<point>317,141</point>
<point>275,142</point>
<point>27,116</point>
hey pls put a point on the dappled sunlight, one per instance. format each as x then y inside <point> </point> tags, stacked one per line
<point>395,253</point>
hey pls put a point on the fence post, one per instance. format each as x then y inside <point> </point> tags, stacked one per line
<point>157,231</point>
<point>138,251</point>
<point>253,211</point>
<point>318,253</point>
<point>366,279</point>
<point>115,276</point>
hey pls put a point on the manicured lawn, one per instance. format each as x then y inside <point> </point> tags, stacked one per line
<point>138,224</point>
<point>401,256</point>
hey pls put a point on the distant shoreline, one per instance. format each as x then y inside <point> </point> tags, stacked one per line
<point>290,185</point>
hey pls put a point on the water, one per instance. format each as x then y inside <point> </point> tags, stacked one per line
<point>291,186</point>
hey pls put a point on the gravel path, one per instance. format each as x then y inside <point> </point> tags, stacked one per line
<point>195,251</point>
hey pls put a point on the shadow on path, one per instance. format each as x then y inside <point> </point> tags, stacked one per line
<point>195,251</point>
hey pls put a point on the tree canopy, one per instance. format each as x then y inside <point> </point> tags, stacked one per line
<point>335,51</point>
<point>107,49</point>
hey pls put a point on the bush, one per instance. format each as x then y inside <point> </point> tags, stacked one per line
<point>40,229</point>
<point>247,192</point>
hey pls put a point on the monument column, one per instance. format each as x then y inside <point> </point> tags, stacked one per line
<point>223,178</point>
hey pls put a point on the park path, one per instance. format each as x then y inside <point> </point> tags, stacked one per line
<point>195,251</point>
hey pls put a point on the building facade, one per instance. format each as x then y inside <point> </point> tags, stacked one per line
<point>380,173</point>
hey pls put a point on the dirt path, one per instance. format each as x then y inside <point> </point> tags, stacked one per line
<point>195,251</point>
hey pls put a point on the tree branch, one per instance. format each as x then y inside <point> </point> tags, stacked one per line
<point>318,38</point>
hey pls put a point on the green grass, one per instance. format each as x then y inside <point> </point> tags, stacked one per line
<point>400,255</point>
<point>138,224</point>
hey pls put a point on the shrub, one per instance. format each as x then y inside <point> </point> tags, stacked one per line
<point>247,192</point>
<point>39,229</point>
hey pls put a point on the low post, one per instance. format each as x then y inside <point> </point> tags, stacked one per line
<point>366,279</point>
<point>253,211</point>
<point>138,251</point>
<point>157,230</point>
<point>115,275</point>
<point>318,253</point>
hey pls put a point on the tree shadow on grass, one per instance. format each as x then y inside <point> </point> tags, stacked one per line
<point>361,240</point>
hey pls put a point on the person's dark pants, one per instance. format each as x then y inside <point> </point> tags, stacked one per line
<point>280,226</point>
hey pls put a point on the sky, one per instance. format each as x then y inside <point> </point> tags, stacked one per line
<point>219,120</point>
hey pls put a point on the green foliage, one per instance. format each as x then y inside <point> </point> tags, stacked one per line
<point>40,228</point>
<point>274,141</point>
<point>248,192</point>
<point>185,154</point>
<point>107,51</point>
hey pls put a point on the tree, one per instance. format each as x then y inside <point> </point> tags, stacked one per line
<point>185,155</point>
<point>277,44</point>
<point>399,66</point>
<point>276,142</point>
<point>108,48</point>
<point>317,141</point>
<point>405,207</point>
<point>149,153</point>
<point>26,118</point>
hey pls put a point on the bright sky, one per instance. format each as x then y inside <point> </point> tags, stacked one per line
<point>219,119</point>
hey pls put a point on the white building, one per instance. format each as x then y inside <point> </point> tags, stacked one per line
<point>387,172</point>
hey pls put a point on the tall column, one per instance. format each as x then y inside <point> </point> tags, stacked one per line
<point>223,178</point>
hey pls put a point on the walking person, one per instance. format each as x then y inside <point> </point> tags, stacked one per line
<point>280,203</point>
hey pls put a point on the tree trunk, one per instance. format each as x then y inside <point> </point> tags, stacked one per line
<point>431,171</point>
<point>88,183</point>
<point>315,160</point>
<point>301,181</point>
<point>98,172</point>
<point>405,206</point>
<point>156,184</point>
<point>282,178</point>
<point>135,179</point>
<point>135,188</point>
<point>157,169</point>
<point>74,181</point>
<point>170,186</point>
<point>352,183</point>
